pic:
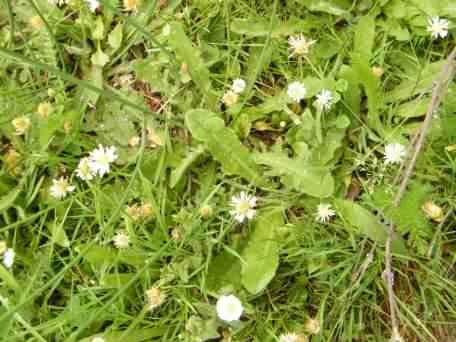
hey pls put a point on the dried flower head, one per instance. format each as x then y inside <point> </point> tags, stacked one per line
<point>21,124</point>
<point>205,211</point>
<point>299,45</point>
<point>377,71</point>
<point>131,5</point>
<point>433,211</point>
<point>312,326</point>
<point>36,22</point>
<point>230,98</point>
<point>121,240</point>
<point>44,109</point>
<point>12,158</point>
<point>134,141</point>
<point>154,298</point>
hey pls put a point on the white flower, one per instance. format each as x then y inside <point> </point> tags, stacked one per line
<point>394,153</point>
<point>296,91</point>
<point>8,258</point>
<point>292,337</point>
<point>98,339</point>
<point>324,100</point>
<point>229,308</point>
<point>438,27</point>
<point>84,170</point>
<point>300,45</point>
<point>93,4</point>
<point>243,207</point>
<point>324,212</point>
<point>57,2</point>
<point>101,159</point>
<point>238,85</point>
<point>121,239</point>
<point>60,188</point>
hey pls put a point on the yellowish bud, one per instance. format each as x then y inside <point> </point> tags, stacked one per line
<point>433,211</point>
<point>44,109</point>
<point>3,246</point>
<point>154,298</point>
<point>312,326</point>
<point>36,22</point>
<point>377,71</point>
<point>131,5</point>
<point>230,98</point>
<point>205,211</point>
<point>21,124</point>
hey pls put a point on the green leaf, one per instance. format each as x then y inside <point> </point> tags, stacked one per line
<point>224,145</point>
<point>325,6</point>
<point>115,37</point>
<point>8,278</point>
<point>367,224</point>
<point>416,82</point>
<point>224,270</point>
<point>58,234</point>
<point>99,31</point>
<point>136,335</point>
<point>100,255</point>
<point>299,174</point>
<point>8,200</point>
<point>99,58</point>
<point>365,36</point>
<point>185,50</point>
<point>192,157</point>
<point>262,252</point>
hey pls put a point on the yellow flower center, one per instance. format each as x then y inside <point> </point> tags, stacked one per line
<point>244,207</point>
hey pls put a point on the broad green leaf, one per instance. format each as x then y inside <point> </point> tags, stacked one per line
<point>414,108</point>
<point>224,145</point>
<point>365,36</point>
<point>325,6</point>
<point>224,270</point>
<point>58,234</point>
<point>367,224</point>
<point>417,83</point>
<point>190,55</point>
<point>8,278</point>
<point>115,280</point>
<point>95,77</point>
<point>99,255</point>
<point>259,59</point>
<point>261,254</point>
<point>115,37</point>
<point>99,58</point>
<point>99,30</point>
<point>8,200</point>
<point>260,26</point>
<point>299,174</point>
<point>192,157</point>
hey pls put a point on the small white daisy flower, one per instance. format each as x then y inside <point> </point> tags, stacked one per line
<point>324,212</point>
<point>290,337</point>
<point>60,188</point>
<point>300,45</point>
<point>57,2</point>
<point>93,4</point>
<point>324,100</point>
<point>121,239</point>
<point>101,159</point>
<point>229,308</point>
<point>98,339</point>
<point>8,258</point>
<point>243,207</point>
<point>296,91</point>
<point>238,85</point>
<point>394,153</point>
<point>438,27</point>
<point>84,171</point>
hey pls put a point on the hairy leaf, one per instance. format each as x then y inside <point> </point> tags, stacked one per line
<point>262,253</point>
<point>224,145</point>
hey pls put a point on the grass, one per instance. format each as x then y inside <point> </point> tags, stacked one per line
<point>151,82</point>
